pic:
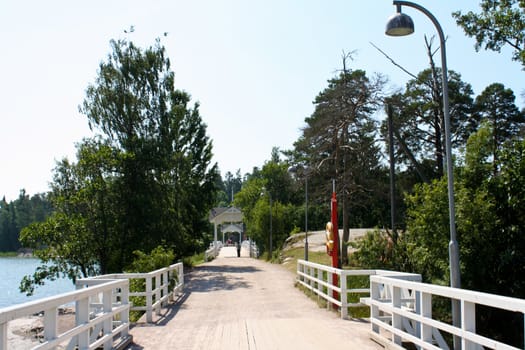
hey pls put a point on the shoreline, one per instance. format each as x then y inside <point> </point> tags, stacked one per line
<point>26,332</point>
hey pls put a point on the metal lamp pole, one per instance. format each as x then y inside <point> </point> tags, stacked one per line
<point>294,170</point>
<point>399,25</point>
<point>306,216</point>
<point>265,190</point>
<point>271,225</point>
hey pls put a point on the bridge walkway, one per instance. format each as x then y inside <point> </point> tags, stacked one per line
<point>244,303</point>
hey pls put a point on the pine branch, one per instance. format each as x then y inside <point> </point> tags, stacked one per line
<point>393,62</point>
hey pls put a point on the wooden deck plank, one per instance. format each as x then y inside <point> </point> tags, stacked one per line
<point>246,304</point>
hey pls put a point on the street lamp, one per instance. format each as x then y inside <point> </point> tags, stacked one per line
<point>294,170</point>
<point>401,24</point>
<point>271,228</point>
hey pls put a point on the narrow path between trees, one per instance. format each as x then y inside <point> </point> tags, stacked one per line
<point>243,303</point>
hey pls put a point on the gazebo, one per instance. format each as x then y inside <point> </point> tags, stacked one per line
<point>230,215</point>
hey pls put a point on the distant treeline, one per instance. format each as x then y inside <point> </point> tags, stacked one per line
<point>19,213</point>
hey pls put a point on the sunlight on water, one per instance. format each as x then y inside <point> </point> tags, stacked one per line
<point>11,272</point>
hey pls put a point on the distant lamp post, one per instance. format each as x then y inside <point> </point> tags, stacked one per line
<point>271,225</point>
<point>306,172</point>
<point>401,24</point>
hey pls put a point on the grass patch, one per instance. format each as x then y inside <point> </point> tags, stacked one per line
<point>8,254</point>
<point>195,259</point>
<point>290,257</point>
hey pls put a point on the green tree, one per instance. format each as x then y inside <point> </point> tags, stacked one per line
<point>419,125</point>
<point>145,180</point>
<point>339,142</point>
<point>166,181</point>
<point>272,181</point>
<point>8,228</point>
<point>499,24</point>
<point>232,185</point>
<point>17,214</point>
<point>496,105</point>
<point>490,211</point>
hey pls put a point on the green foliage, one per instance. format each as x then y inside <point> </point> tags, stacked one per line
<point>195,259</point>
<point>16,215</point>
<point>372,250</point>
<point>270,185</point>
<point>499,24</point>
<point>145,180</point>
<point>158,258</point>
<point>418,120</point>
<point>339,143</point>
<point>57,241</point>
<point>490,212</point>
<point>496,107</point>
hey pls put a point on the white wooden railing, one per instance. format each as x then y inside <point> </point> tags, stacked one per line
<point>157,287</point>
<point>401,306</point>
<point>213,251</point>
<point>105,325</point>
<point>252,248</point>
<point>319,279</point>
<point>410,318</point>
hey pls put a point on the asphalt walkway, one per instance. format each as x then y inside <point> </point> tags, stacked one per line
<point>244,303</point>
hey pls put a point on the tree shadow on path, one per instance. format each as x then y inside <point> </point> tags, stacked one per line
<point>207,278</point>
<point>203,279</point>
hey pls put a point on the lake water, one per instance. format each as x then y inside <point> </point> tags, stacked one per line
<point>11,272</point>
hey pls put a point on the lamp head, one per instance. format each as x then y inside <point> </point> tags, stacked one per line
<point>399,24</point>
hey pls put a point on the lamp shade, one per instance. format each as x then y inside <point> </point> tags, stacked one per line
<point>399,24</point>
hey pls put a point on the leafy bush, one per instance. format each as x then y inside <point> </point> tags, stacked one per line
<point>158,258</point>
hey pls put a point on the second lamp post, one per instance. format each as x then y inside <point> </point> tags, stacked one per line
<point>306,172</point>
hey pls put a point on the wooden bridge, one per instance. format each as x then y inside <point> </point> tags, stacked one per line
<point>243,303</point>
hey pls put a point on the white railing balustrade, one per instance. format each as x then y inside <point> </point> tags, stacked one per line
<point>252,248</point>
<point>105,326</point>
<point>213,251</point>
<point>319,279</point>
<point>410,319</point>
<point>157,284</point>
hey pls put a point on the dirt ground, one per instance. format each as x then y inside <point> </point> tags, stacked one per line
<point>26,332</point>
<point>317,239</point>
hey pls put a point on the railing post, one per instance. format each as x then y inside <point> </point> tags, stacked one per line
<point>82,317</point>
<point>107,302</point>
<point>180,272</point>
<point>329,289</point>
<point>397,320</point>
<point>165,283</point>
<point>426,311</point>
<point>374,309</point>
<point>344,295</point>
<point>468,323</point>
<point>50,323</point>
<point>417,308</point>
<point>3,335</point>
<point>319,285</point>
<point>311,274</point>
<point>124,315</point>
<point>157,293</point>
<point>149,297</point>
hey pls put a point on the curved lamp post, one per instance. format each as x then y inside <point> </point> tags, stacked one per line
<point>401,24</point>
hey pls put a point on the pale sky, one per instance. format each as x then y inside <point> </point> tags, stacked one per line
<point>254,66</point>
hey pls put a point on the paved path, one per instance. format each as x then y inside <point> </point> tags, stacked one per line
<point>243,303</point>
